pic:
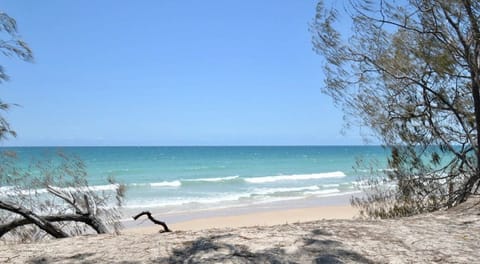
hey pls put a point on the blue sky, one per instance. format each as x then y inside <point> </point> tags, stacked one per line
<point>169,73</point>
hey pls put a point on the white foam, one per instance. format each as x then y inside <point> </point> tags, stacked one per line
<point>107,187</point>
<point>185,201</point>
<point>284,190</point>
<point>166,184</point>
<point>6,188</point>
<point>339,194</point>
<point>228,200</point>
<point>330,185</point>
<point>295,177</point>
<point>323,192</point>
<point>95,188</point>
<point>227,178</point>
<point>10,190</point>
<point>387,170</point>
<point>255,196</point>
<point>139,184</point>
<point>361,184</point>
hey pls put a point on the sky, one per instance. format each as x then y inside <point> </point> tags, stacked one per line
<point>160,72</point>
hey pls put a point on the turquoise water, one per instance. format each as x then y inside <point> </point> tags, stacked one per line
<point>212,177</point>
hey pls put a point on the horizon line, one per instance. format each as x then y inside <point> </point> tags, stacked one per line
<point>246,145</point>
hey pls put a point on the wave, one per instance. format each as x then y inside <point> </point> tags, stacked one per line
<point>6,188</point>
<point>11,190</point>
<point>107,187</point>
<point>166,184</point>
<point>178,183</point>
<point>323,192</point>
<point>219,179</point>
<point>295,177</point>
<point>175,183</point>
<point>266,191</point>
<point>376,170</point>
<point>180,202</point>
<point>252,180</point>
<point>14,190</point>
<point>235,180</point>
<point>330,185</point>
<point>229,199</point>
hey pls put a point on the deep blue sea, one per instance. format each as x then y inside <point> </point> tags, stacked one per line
<point>217,177</point>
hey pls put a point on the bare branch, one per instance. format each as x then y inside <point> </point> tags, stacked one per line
<point>155,221</point>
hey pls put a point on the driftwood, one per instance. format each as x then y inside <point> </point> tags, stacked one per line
<point>86,215</point>
<point>31,218</point>
<point>155,221</point>
<point>98,227</point>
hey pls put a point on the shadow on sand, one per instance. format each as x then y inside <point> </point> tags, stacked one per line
<point>311,249</point>
<point>315,248</point>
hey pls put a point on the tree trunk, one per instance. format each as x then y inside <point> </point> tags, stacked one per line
<point>92,222</point>
<point>34,219</point>
<point>474,64</point>
<point>96,224</point>
<point>468,187</point>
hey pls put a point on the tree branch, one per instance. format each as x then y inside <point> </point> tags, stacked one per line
<point>34,219</point>
<point>69,199</point>
<point>149,215</point>
<point>5,228</point>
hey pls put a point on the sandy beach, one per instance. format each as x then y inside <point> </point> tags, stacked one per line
<point>443,237</point>
<point>263,218</point>
<point>284,212</point>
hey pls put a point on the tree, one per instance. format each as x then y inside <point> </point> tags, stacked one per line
<point>410,71</point>
<point>50,196</point>
<point>14,46</point>
<point>54,195</point>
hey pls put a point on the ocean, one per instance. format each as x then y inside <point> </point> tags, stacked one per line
<point>176,179</point>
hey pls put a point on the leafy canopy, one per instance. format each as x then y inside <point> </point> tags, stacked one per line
<point>410,71</point>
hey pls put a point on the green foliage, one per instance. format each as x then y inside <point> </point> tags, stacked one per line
<point>410,72</point>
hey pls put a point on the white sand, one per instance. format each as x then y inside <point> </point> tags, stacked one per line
<point>262,218</point>
<point>443,237</point>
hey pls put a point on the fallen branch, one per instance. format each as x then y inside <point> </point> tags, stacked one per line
<point>34,219</point>
<point>155,221</point>
<point>92,222</point>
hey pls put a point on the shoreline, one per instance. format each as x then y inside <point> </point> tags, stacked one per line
<point>292,211</point>
<point>266,218</point>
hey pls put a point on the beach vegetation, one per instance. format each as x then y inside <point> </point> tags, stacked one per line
<point>49,197</point>
<point>52,198</point>
<point>11,45</point>
<point>410,72</point>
